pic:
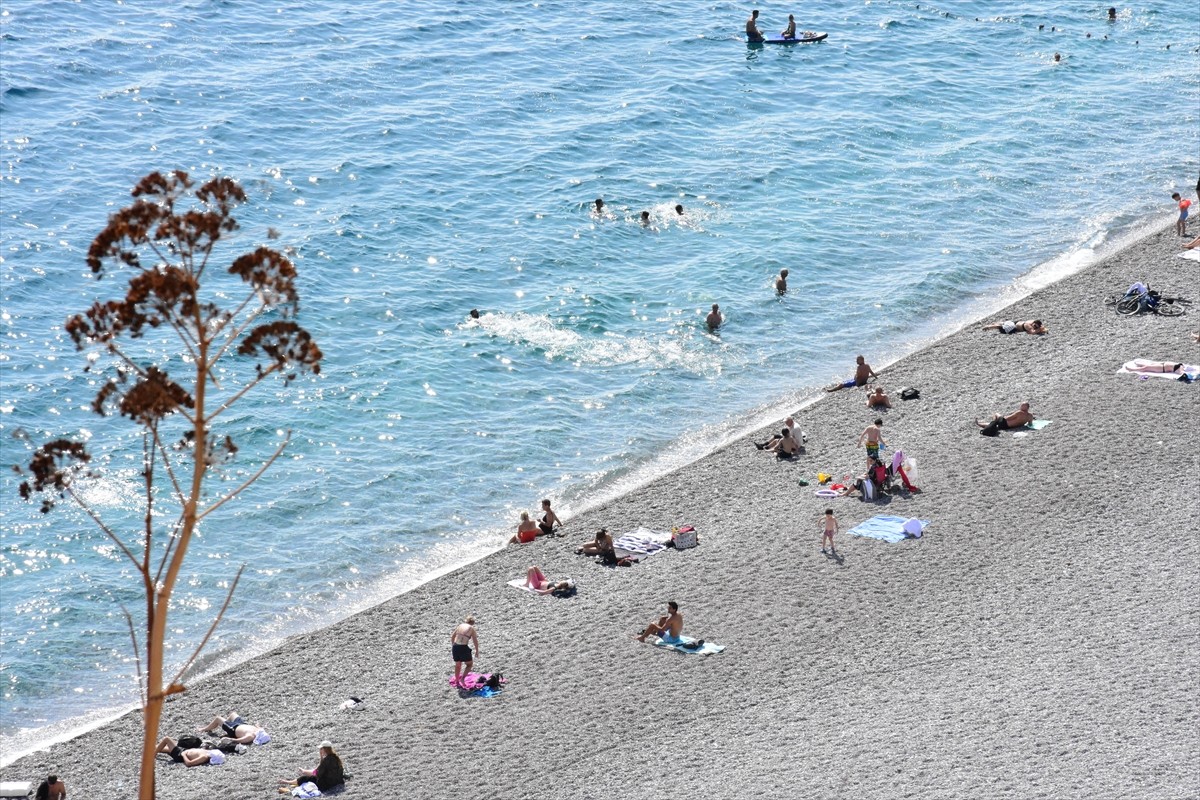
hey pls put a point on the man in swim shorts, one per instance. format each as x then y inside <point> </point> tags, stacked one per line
<point>236,729</point>
<point>862,374</point>
<point>1031,326</point>
<point>191,756</point>
<point>874,435</point>
<point>753,34</point>
<point>1016,419</point>
<point>667,628</point>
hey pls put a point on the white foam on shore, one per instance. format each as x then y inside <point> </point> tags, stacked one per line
<point>686,449</point>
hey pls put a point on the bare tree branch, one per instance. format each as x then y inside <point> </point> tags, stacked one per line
<point>137,655</point>
<point>233,399</point>
<point>211,628</point>
<point>248,481</point>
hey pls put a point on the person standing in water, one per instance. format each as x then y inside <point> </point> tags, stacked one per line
<point>781,282</point>
<point>714,318</point>
<point>753,34</point>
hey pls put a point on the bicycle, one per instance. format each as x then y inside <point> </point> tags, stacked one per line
<point>1141,297</point>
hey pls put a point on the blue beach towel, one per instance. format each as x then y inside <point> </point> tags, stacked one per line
<point>707,649</point>
<point>885,529</point>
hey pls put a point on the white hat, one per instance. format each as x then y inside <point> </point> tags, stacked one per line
<point>328,745</point>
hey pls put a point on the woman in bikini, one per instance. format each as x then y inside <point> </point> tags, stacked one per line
<point>527,530</point>
<point>549,520</point>
<point>461,639</point>
<point>536,580</point>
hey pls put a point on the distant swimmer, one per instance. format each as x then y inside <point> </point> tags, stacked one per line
<point>790,31</point>
<point>714,318</point>
<point>781,282</point>
<point>646,218</point>
<point>1112,15</point>
<point>474,313</point>
<point>1057,58</point>
<point>753,34</point>
<point>679,209</point>
<point>599,207</point>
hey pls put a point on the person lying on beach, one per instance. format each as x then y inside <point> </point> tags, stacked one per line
<point>667,628</point>
<point>1193,244</point>
<point>189,756</point>
<point>329,772</point>
<point>1158,367</point>
<point>874,438</point>
<point>769,444</point>
<point>878,400</point>
<point>785,445</point>
<point>862,374</point>
<point>549,520</point>
<point>527,530</point>
<point>537,581</point>
<point>236,729</point>
<point>1016,419</point>
<point>1033,326</point>
<point>461,640</point>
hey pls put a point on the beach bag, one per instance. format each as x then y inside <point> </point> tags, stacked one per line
<point>189,742</point>
<point>493,681</point>
<point>866,487</point>
<point>567,592</point>
<point>306,789</point>
<point>686,537</point>
<point>909,394</point>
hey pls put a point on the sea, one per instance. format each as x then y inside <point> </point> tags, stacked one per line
<point>923,166</point>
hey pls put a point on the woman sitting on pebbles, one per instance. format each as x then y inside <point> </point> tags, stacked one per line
<point>1032,326</point>
<point>527,530</point>
<point>328,774</point>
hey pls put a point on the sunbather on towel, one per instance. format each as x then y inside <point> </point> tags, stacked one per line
<point>667,628</point>
<point>1142,365</point>
<point>236,729</point>
<point>328,774</point>
<point>601,545</point>
<point>536,580</point>
<point>1033,326</point>
<point>190,756</point>
<point>1014,420</point>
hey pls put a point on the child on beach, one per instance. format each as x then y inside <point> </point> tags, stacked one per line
<point>1184,205</point>
<point>828,528</point>
<point>874,436</point>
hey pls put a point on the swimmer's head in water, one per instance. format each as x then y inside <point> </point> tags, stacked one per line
<point>716,307</point>
<point>754,14</point>
<point>474,313</point>
<point>645,216</point>
<point>679,209</point>
<point>783,273</point>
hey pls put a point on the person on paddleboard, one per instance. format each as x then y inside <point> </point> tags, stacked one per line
<point>790,31</point>
<point>753,34</point>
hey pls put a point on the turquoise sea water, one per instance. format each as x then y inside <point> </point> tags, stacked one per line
<point>429,158</point>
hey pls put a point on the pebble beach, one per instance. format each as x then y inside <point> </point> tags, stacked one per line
<point>1039,641</point>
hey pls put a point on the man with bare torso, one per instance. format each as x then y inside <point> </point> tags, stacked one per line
<point>667,628</point>
<point>862,374</point>
<point>1016,419</point>
<point>753,34</point>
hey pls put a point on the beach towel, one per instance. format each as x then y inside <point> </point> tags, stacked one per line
<point>476,684</point>
<point>641,543</point>
<point>1191,255</point>
<point>1038,424</point>
<point>707,649</point>
<point>306,789</point>
<point>1130,367</point>
<point>519,583</point>
<point>262,737</point>
<point>885,529</point>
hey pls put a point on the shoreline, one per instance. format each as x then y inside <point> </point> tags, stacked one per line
<point>645,473</point>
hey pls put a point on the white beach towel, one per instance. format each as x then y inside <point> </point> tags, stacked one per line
<point>519,583</point>
<point>1190,255</point>
<point>643,542</point>
<point>1130,367</point>
<point>706,649</point>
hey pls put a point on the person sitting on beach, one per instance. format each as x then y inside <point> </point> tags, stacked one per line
<point>462,639</point>
<point>785,445</point>
<point>1016,419</point>
<point>714,318</point>
<point>51,789</point>
<point>667,628</point>
<point>862,374</point>
<point>603,544</point>
<point>769,444</point>
<point>790,31</point>
<point>549,520</point>
<point>236,729</point>
<point>878,399</point>
<point>189,756</point>
<point>781,282</point>
<point>1033,326</point>
<point>536,580</point>
<point>527,530</point>
<point>753,34</point>
<point>329,773</point>
<point>874,438</point>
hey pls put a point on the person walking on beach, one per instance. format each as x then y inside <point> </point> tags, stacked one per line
<point>667,628</point>
<point>781,282</point>
<point>462,639</point>
<point>828,527</point>
<point>753,34</point>
<point>1016,419</point>
<point>874,435</point>
<point>51,789</point>
<point>714,318</point>
<point>1184,205</point>
<point>549,521</point>
<point>527,530</point>
<point>862,374</point>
